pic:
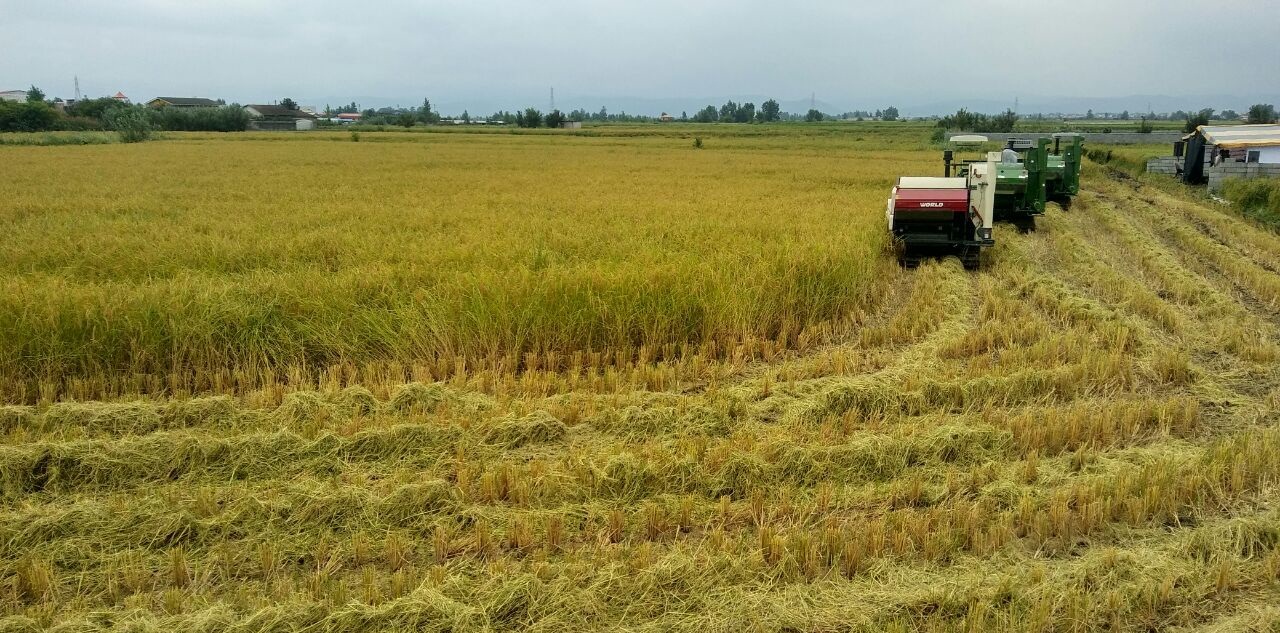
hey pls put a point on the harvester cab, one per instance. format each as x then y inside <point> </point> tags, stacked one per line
<point>944,216</point>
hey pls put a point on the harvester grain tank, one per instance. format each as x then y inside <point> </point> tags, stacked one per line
<point>944,216</point>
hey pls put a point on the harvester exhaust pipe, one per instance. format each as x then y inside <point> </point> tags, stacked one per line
<point>1057,146</point>
<point>947,155</point>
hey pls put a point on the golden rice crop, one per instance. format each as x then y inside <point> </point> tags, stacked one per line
<point>599,381</point>
<point>203,258</point>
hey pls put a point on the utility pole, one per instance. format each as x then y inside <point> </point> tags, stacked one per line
<point>553,99</point>
<point>813,101</point>
<point>77,78</point>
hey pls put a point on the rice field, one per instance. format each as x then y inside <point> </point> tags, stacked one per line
<point>479,382</point>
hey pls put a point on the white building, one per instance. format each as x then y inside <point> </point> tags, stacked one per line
<point>14,95</point>
<point>1214,154</point>
<point>1244,143</point>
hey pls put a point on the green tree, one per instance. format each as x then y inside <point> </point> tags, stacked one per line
<point>92,108</point>
<point>466,116</point>
<point>530,118</point>
<point>746,113</point>
<point>554,118</point>
<point>1196,120</point>
<point>288,103</point>
<point>729,111</point>
<point>890,114</point>
<point>35,95</point>
<point>1262,113</point>
<point>34,116</point>
<point>770,111</point>
<point>1089,114</point>
<point>1144,126</point>
<point>1004,123</point>
<point>1229,115</point>
<point>131,123</point>
<point>708,114</point>
<point>813,116</point>
<point>407,119</point>
<point>426,114</point>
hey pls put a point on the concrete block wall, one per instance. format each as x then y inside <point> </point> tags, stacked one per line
<point>274,126</point>
<point>1163,165</point>
<point>1113,138</point>
<point>1225,171</point>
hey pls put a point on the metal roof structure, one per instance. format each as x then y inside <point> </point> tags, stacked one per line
<point>1234,136</point>
<point>191,102</point>
<point>279,112</point>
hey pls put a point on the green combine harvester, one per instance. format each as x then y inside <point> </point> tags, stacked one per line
<point>1063,177</point>
<point>1020,184</point>
<point>1039,175</point>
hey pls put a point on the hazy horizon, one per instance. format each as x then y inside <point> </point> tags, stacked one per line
<point>913,54</point>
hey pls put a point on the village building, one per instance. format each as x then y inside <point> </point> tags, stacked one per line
<point>1215,153</point>
<point>177,102</point>
<point>278,117</point>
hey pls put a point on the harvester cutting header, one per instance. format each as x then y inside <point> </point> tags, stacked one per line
<point>955,214</point>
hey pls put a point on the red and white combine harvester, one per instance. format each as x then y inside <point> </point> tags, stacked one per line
<point>945,216</point>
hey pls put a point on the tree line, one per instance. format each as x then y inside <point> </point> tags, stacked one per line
<point>37,114</point>
<point>770,111</point>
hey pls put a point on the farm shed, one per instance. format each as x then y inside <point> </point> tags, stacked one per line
<point>571,125</point>
<point>182,102</point>
<point>279,118</point>
<point>13,95</point>
<point>1214,153</point>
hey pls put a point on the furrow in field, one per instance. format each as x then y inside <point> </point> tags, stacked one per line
<point>1202,252</point>
<point>939,309</point>
<point>943,447</point>
<point>982,510</point>
<point>1260,245</point>
<point>1093,258</point>
<point>82,466</point>
<point>1157,260</point>
<point>1235,322</point>
<point>1200,574</point>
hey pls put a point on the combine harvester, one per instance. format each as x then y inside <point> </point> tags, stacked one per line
<point>1062,180</point>
<point>944,216</point>
<point>1020,186</point>
<point>954,214</point>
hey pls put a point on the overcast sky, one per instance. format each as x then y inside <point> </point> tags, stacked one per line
<point>851,54</point>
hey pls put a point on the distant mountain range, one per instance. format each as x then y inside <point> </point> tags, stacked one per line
<point>1031,104</point>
